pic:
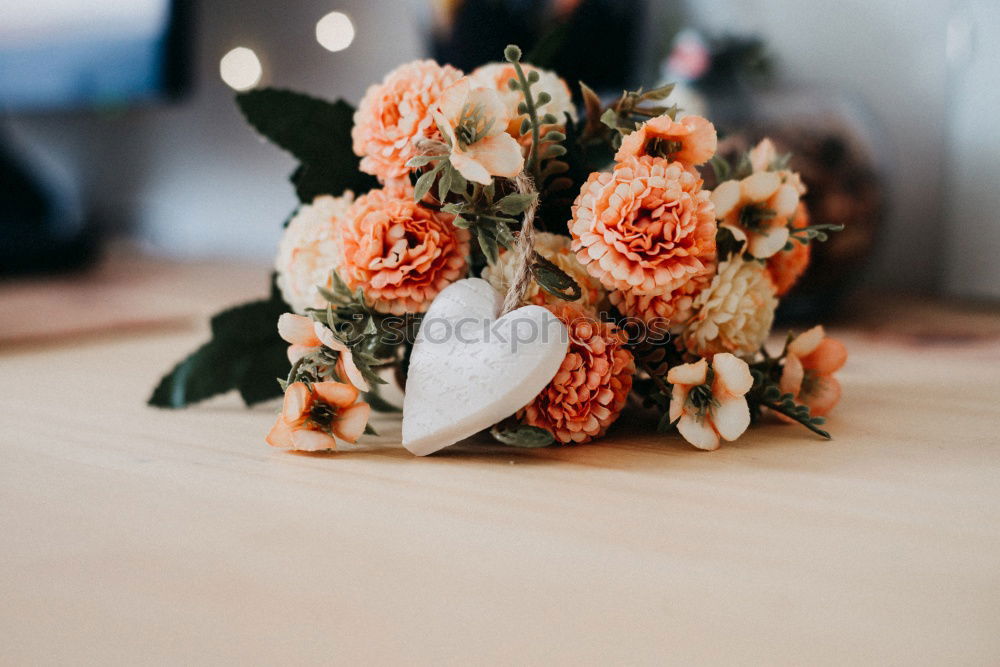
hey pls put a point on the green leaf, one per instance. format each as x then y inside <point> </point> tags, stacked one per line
<point>522,435</point>
<point>516,203</point>
<point>610,118</point>
<point>316,132</point>
<point>554,280</point>
<point>488,245</point>
<point>379,404</point>
<point>426,180</point>
<point>444,183</point>
<point>721,168</point>
<point>245,353</point>
<point>658,94</point>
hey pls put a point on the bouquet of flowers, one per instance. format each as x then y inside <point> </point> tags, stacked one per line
<point>447,198</point>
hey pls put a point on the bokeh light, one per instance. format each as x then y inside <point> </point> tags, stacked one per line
<point>240,68</point>
<point>335,32</point>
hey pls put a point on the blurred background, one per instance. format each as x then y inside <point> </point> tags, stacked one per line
<point>118,127</point>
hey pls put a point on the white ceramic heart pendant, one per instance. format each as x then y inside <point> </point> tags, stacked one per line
<point>469,369</point>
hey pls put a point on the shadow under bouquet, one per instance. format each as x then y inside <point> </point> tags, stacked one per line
<point>518,267</point>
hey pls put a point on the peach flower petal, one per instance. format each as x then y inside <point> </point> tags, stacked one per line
<point>306,440</point>
<point>337,394</point>
<point>732,375</point>
<point>698,432</point>
<point>350,422</point>
<point>689,374</point>
<point>731,417</point>
<point>828,357</point>
<point>803,344</point>
<point>280,435</point>
<point>297,330</point>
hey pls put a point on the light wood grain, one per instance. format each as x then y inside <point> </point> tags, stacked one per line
<point>133,535</point>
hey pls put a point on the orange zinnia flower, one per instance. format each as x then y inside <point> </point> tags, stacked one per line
<point>646,226</point>
<point>395,113</point>
<point>672,308</point>
<point>313,418</point>
<point>592,385</point>
<point>399,253</point>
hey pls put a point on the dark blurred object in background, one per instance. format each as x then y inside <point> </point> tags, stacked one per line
<point>595,41</point>
<point>79,55</point>
<point>834,141</point>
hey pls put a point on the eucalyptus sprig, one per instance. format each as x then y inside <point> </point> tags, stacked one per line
<point>545,146</point>
<point>813,232</point>
<point>766,393</point>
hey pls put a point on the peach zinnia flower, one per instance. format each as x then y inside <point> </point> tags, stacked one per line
<point>690,140</point>
<point>395,113</point>
<point>810,363</point>
<point>309,251</point>
<point>592,385</point>
<point>474,123</point>
<point>313,418</point>
<point>554,248</point>
<point>672,308</point>
<point>305,335</point>
<point>498,75</point>
<point>710,403</point>
<point>645,226</point>
<point>400,253</point>
<point>734,313</point>
<point>786,266</point>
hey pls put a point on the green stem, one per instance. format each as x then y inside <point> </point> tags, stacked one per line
<point>529,102</point>
<point>664,387</point>
<point>778,408</point>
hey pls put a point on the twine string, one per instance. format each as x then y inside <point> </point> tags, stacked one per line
<point>524,246</point>
<point>524,249</point>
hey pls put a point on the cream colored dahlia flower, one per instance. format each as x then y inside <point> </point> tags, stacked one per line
<point>395,113</point>
<point>734,314</point>
<point>309,251</point>
<point>556,249</point>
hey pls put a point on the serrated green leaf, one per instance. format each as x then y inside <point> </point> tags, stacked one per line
<point>316,132</point>
<point>245,353</point>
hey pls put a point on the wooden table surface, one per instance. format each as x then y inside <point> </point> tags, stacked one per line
<point>133,535</point>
